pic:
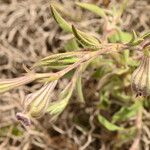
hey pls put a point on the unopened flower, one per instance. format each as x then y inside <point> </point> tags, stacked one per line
<point>141,77</point>
<point>8,84</point>
<point>24,119</point>
<point>35,104</point>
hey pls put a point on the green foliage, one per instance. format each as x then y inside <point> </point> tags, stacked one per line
<point>108,125</point>
<point>85,39</point>
<point>62,23</point>
<point>82,37</point>
<point>125,136</point>
<point>127,112</point>
<point>60,60</point>
<point>93,8</point>
<point>120,36</point>
<point>79,89</point>
<point>137,40</point>
<point>57,107</point>
<point>71,45</point>
<point>17,132</point>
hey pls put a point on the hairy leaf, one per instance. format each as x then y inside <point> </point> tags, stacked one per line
<point>93,8</point>
<point>61,59</point>
<point>83,38</point>
<point>62,23</point>
<point>67,27</point>
<point>57,107</point>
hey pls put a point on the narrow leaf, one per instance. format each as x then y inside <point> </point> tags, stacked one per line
<point>62,23</point>
<point>57,107</point>
<point>108,125</point>
<point>146,35</point>
<point>67,27</point>
<point>93,8</point>
<point>79,89</point>
<point>71,45</point>
<point>60,59</point>
<point>84,38</point>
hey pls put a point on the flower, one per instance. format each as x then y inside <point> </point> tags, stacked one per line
<point>24,118</point>
<point>140,80</point>
<point>35,104</point>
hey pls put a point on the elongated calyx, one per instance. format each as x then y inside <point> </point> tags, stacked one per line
<point>140,80</point>
<point>35,104</point>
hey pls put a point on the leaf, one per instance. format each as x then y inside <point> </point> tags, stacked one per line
<point>125,136</point>
<point>120,36</point>
<point>106,78</point>
<point>134,36</point>
<point>16,132</point>
<point>84,38</point>
<point>146,35</point>
<point>127,112</point>
<point>79,71</point>
<point>67,27</point>
<point>61,59</point>
<point>135,40</point>
<point>79,89</point>
<point>56,108</point>
<point>71,45</point>
<point>62,23</point>
<point>93,8</point>
<point>108,125</point>
<point>104,100</point>
<point>122,7</point>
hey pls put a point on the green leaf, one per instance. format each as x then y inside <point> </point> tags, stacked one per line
<point>61,59</point>
<point>134,36</point>
<point>146,35</point>
<point>93,8</point>
<point>84,38</point>
<point>17,132</point>
<point>135,40</point>
<point>57,107</point>
<point>81,36</point>
<point>108,125</point>
<point>125,136</point>
<point>122,7</point>
<point>120,36</point>
<point>71,45</point>
<point>62,23</point>
<point>79,89</point>
<point>104,100</point>
<point>127,112</point>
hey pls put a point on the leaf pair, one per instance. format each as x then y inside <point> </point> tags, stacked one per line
<point>84,38</point>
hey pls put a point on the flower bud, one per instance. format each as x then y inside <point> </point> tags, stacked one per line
<point>140,80</point>
<point>35,104</point>
<point>24,118</point>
